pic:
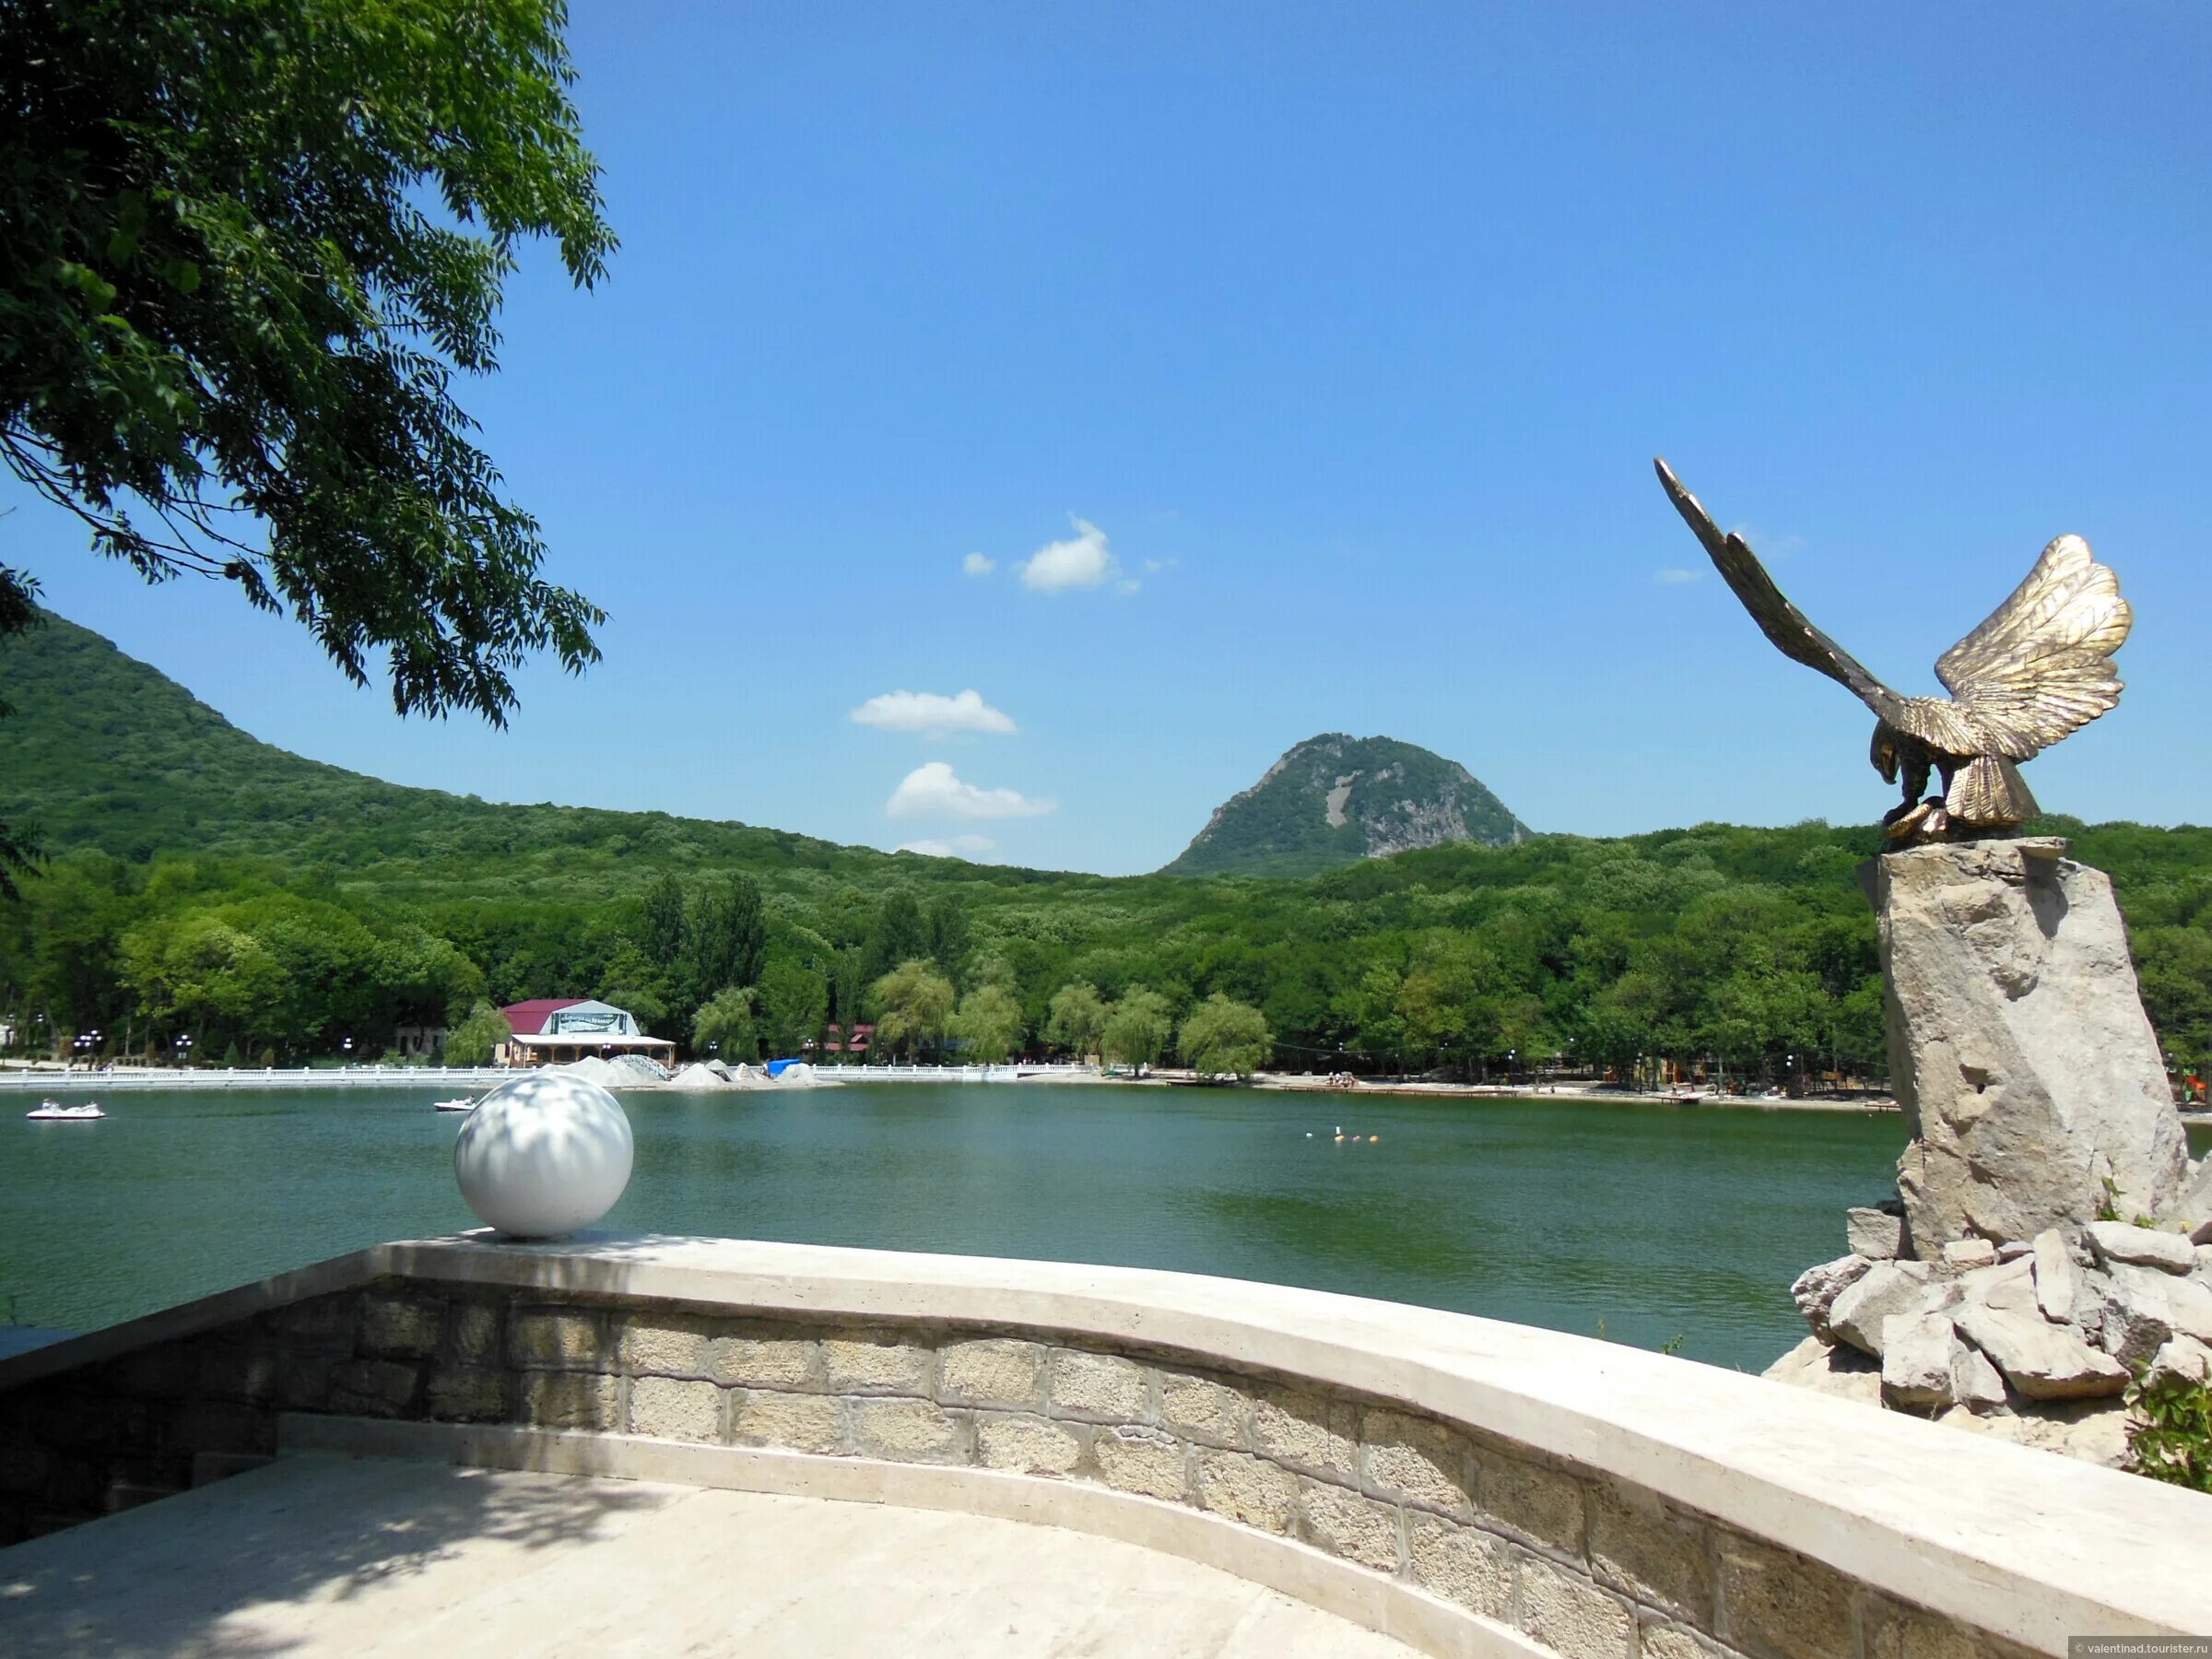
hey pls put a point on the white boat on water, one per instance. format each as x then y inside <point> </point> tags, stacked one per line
<point>54,1112</point>
<point>461,1104</point>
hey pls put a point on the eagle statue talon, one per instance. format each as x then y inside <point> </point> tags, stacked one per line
<point>1910,822</point>
<point>1919,824</point>
<point>2038,668</point>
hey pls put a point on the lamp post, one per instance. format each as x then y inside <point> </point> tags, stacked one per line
<point>184,1051</point>
<point>346,1048</point>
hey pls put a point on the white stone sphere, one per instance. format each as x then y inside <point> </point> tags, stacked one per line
<point>544,1155</point>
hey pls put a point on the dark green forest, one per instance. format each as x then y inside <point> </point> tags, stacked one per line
<point>201,884</point>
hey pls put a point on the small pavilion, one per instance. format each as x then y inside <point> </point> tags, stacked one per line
<point>548,1031</point>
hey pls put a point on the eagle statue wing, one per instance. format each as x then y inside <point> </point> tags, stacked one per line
<point>1786,625</point>
<point>2041,665</point>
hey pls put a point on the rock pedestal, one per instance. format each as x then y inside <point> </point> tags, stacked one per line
<point>2018,1047</point>
<point>1992,1296</point>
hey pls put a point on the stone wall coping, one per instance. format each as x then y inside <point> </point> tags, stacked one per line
<point>2024,1544</point>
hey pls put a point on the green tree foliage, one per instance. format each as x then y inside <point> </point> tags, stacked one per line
<point>989,1024</point>
<point>1077,1019</point>
<point>725,935</point>
<point>915,1007</point>
<point>19,614</point>
<point>249,248</point>
<point>2170,1430</point>
<point>726,1025</point>
<point>631,982</point>
<point>383,906</point>
<point>1138,1028</point>
<point>476,1039</point>
<point>795,1005</point>
<point>1224,1038</point>
<point>661,923</point>
<point>202,973</point>
<point>947,932</point>
<point>898,933</point>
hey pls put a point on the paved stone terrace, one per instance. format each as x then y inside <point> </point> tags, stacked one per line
<point>1463,1485</point>
<point>1588,1568</point>
<point>324,1555</point>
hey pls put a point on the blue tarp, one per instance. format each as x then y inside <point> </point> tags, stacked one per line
<point>775,1067</point>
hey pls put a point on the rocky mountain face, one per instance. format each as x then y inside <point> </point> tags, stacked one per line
<point>1334,799</point>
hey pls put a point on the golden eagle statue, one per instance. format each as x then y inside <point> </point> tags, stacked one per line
<point>2040,667</point>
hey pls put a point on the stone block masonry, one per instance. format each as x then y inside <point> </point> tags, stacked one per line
<point>1580,1563</point>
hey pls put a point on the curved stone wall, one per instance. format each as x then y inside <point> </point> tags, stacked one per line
<point>1468,1486</point>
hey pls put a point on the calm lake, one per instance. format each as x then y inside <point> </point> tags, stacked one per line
<point>1658,1221</point>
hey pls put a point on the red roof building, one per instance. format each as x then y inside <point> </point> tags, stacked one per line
<point>553,1029</point>
<point>528,1019</point>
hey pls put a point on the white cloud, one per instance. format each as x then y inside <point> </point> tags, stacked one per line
<point>1082,562</point>
<point>931,791</point>
<point>934,714</point>
<point>950,846</point>
<point>1674,575</point>
<point>975,564</point>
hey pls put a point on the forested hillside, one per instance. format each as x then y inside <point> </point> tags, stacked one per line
<point>205,884</point>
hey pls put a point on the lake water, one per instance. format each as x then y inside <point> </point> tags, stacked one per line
<point>1658,1221</point>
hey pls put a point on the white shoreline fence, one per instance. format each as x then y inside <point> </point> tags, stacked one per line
<point>459,1077</point>
<point>302,1077</point>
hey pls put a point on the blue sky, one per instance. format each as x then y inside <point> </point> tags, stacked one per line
<point>1334,342</point>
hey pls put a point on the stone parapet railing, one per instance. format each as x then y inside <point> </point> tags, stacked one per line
<point>1468,1486</point>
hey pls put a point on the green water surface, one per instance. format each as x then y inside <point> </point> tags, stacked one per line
<point>1659,1221</point>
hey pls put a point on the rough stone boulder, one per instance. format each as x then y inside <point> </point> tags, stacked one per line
<point>1857,1313</point>
<point>2018,1047</point>
<point>1975,1383</point>
<point>2180,1360</point>
<point>1815,1289</point>
<point>2092,1430</point>
<point>1879,1233</point>
<point>2190,1211</point>
<point>2008,1286</point>
<point>2117,1242</point>
<point>2057,1283</point>
<point>1920,1352</point>
<point>1840,1370</point>
<point>1970,1253</point>
<point>2142,1308</point>
<point>2042,1360</point>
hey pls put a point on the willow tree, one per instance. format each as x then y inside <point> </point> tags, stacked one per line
<point>989,1024</point>
<point>1138,1028</point>
<point>251,244</point>
<point>1075,1019</point>
<point>1224,1038</point>
<point>914,1007</point>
